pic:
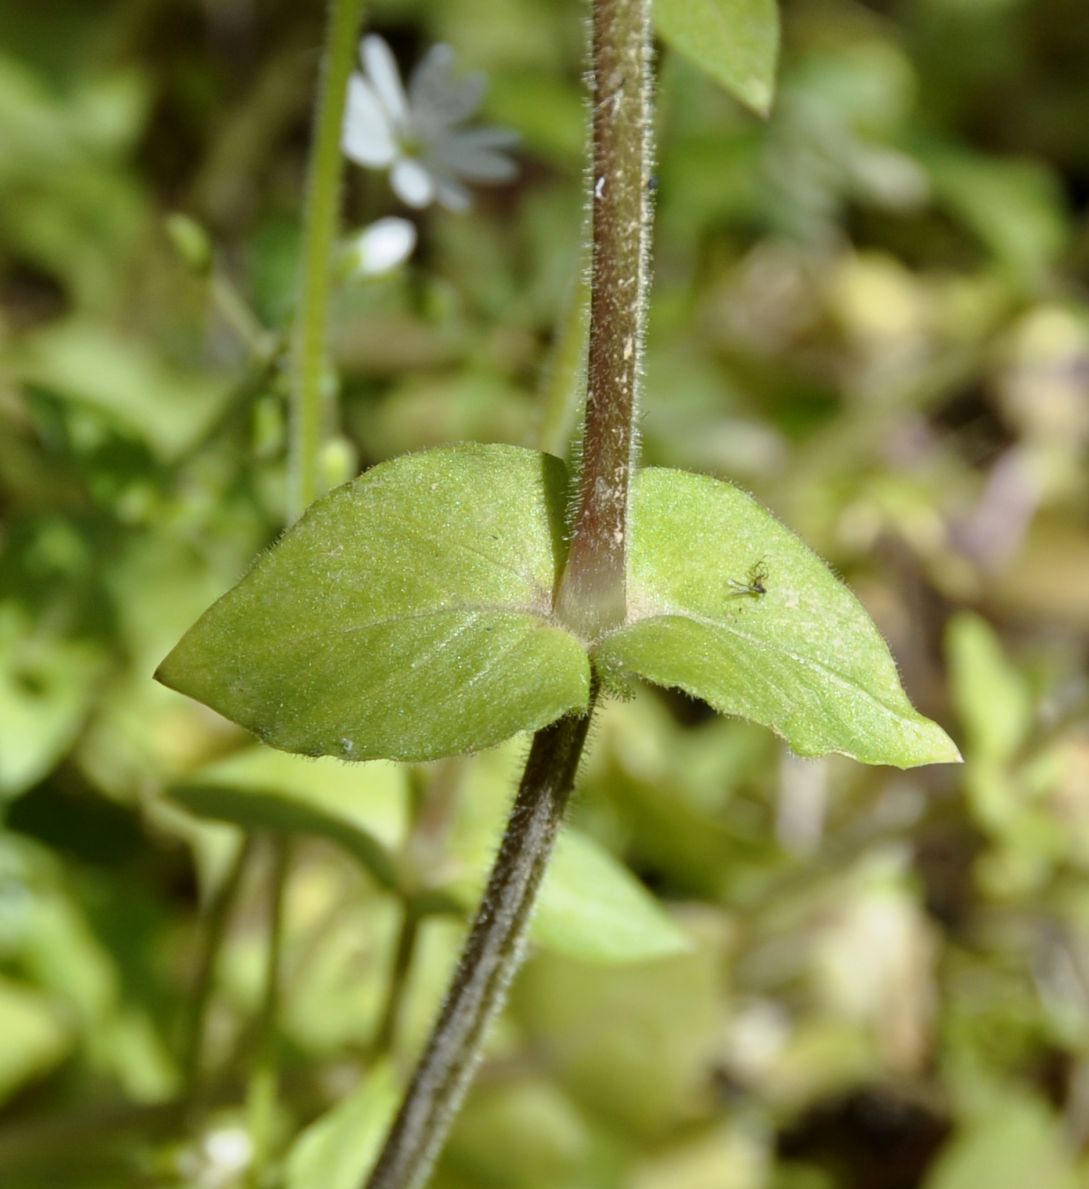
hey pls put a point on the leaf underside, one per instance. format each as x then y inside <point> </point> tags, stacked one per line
<point>730,606</point>
<point>406,616</point>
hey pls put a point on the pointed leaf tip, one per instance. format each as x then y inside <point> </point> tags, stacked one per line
<point>730,606</point>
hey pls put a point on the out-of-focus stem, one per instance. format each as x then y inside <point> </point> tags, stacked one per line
<point>404,950</point>
<point>264,1081</point>
<point>312,398</point>
<point>244,323</point>
<point>215,932</point>
<point>312,415</point>
<point>560,395</point>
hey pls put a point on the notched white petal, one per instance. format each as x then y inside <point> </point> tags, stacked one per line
<point>412,182</point>
<point>382,72</point>
<point>367,136</point>
<point>488,137</point>
<point>476,165</point>
<point>438,96</point>
<point>451,194</point>
<point>472,154</point>
<point>431,77</point>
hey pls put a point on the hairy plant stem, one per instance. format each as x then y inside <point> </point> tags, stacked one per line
<point>491,956</point>
<point>592,596</point>
<point>312,411</point>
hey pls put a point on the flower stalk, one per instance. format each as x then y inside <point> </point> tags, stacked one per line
<point>591,598</point>
<point>312,416</point>
<point>312,398</point>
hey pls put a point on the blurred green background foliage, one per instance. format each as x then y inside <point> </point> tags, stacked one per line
<point>869,310</point>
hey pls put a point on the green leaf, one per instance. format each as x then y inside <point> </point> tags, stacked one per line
<point>406,616</point>
<point>36,1036</point>
<point>1017,1143</point>
<point>533,1117</point>
<point>991,697</point>
<point>359,808</point>
<point>735,41</point>
<point>593,908</point>
<point>125,382</point>
<point>590,906</point>
<point>1015,207</point>
<point>47,686</point>
<point>802,657</point>
<point>336,1150</point>
<point>626,1044</point>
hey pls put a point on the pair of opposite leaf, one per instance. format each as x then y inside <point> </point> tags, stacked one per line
<point>409,615</point>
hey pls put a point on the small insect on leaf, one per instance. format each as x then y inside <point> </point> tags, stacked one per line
<point>755,581</point>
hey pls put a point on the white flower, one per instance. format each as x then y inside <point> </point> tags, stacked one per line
<point>229,1151</point>
<point>420,137</point>
<point>380,248</point>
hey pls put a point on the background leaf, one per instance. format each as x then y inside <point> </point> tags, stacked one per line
<point>590,906</point>
<point>336,1150</point>
<point>46,688</point>
<point>1014,1144</point>
<point>991,697</point>
<point>593,908</point>
<point>36,1036</point>
<point>735,41</point>
<point>359,807</point>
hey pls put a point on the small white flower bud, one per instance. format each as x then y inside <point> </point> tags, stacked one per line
<point>380,248</point>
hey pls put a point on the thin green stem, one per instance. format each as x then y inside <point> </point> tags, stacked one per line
<point>312,415</point>
<point>264,1082</point>
<point>218,914</point>
<point>433,797</point>
<point>592,596</point>
<point>311,383</point>
<point>408,931</point>
<point>244,323</point>
<point>491,956</point>
<point>385,1038</point>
